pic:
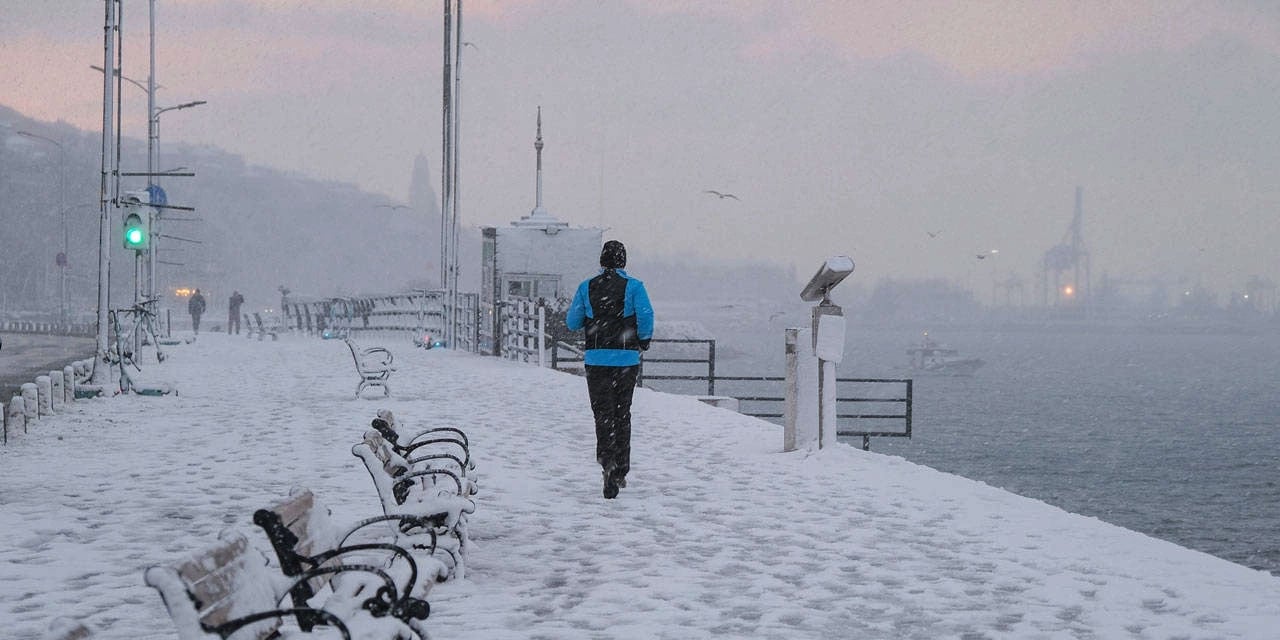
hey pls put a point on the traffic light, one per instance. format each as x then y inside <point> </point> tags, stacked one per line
<point>137,235</point>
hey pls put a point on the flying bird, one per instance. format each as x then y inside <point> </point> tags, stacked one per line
<point>391,206</point>
<point>722,196</point>
<point>469,44</point>
<point>933,234</point>
<point>982,256</point>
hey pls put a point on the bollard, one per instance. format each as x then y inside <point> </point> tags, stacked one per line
<point>68,384</point>
<point>44,395</point>
<point>56,394</point>
<point>30,396</point>
<point>15,418</point>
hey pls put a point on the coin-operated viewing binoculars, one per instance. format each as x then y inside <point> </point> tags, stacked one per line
<point>811,401</point>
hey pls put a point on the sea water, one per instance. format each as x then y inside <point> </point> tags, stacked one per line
<point>1175,434</point>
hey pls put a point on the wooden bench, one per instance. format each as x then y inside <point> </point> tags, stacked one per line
<point>308,543</point>
<point>425,487</point>
<point>374,366</point>
<point>229,589</point>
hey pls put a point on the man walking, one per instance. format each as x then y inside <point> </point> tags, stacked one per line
<point>233,311</point>
<point>195,306</point>
<point>614,309</point>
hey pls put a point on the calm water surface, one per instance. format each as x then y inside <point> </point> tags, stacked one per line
<point>1173,435</point>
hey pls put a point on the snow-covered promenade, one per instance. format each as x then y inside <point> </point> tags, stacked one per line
<point>719,535</point>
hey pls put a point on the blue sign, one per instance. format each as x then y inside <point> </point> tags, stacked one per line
<point>156,195</point>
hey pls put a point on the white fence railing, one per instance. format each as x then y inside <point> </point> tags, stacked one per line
<point>524,330</point>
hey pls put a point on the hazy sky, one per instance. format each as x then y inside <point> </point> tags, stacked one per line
<point>842,126</point>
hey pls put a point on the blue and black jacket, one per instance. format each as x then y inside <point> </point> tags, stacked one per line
<point>614,310</point>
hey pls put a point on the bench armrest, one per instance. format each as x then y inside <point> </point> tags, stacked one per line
<point>427,457</point>
<point>383,355</point>
<point>440,430</point>
<point>448,441</point>
<point>405,481</point>
<point>408,523</point>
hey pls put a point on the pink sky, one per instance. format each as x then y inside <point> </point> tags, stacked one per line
<point>269,46</point>
<point>979,117</point>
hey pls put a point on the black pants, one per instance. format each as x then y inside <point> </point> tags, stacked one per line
<point>195,322</point>
<point>233,320</point>
<point>611,389</point>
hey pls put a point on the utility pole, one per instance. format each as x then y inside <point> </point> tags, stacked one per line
<point>453,166</point>
<point>106,197</point>
<point>448,174</point>
<point>154,226</point>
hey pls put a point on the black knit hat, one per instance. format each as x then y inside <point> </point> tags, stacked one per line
<point>613,255</point>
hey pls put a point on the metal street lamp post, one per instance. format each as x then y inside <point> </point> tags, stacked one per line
<point>153,160</point>
<point>62,191</point>
<point>125,78</point>
<point>101,367</point>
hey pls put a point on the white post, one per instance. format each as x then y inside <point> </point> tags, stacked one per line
<point>56,395</point>
<point>542,336</point>
<point>801,425</point>
<point>44,395</point>
<point>30,401</point>
<point>828,348</point>
<point>15,416</point>
<point>69,384</point>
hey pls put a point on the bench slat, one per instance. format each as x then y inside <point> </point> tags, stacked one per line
<point>221,584</point>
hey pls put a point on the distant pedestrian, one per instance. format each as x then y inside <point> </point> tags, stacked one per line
<point>195,306</point>
<point>614,310</point>
<point>233,312</point>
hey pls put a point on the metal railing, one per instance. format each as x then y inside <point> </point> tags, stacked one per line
<point>850,392</point>
<point>574,351</point>
<point>418,312</point>
<point>709,361</point>
<point>852,395</point>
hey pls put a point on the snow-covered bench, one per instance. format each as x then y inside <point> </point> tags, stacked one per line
<point>255,326</point>
<point>423,485</point>
<point>229,589</point>
<point>437,443</point>
<point>374,366</point>
<point>358,566</point>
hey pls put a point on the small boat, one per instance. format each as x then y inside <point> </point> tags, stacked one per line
<point>931,357</point>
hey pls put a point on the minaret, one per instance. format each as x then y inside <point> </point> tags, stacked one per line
<point>537,145</point>
<point>539,217</point>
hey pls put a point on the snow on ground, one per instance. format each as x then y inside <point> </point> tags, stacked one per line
<point>719,535</point>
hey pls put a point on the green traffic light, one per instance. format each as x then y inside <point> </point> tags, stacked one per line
<point>135,233</point>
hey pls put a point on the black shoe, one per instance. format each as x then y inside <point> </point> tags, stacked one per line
<point>610,486</point>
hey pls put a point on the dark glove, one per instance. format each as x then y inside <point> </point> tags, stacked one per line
<point>644,345</point>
